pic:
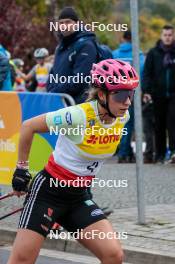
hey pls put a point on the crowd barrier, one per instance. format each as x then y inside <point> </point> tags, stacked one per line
<point>14,109</point>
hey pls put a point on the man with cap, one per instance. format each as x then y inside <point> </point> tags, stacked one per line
<point>74,57</point>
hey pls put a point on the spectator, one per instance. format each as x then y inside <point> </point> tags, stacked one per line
<point>40,71</point>
<point>71,60</point>
<point>124,52</point>
<point>19,84</point>
<point>4,68</point>
<point>159,86</point>
<point>149,130</point>
<point>12,72</point>
<point>5,83</point>
<point>50,59</point>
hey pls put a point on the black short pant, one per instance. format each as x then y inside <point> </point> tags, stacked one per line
<point>71,207</point>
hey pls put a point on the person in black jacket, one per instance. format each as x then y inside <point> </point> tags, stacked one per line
<point>72,57</point>
<point>159,87</point>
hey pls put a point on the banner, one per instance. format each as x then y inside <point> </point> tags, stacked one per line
<point>14,109</point>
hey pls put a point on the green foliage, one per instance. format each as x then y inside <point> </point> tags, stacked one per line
<point>90,8</point>
<point>153,15</point>
<point>163,10</point>
<point>150,28</point>
<point>94,11</point>
<point>88,11</point>
<point>22,30</point>
<point>39,6</point>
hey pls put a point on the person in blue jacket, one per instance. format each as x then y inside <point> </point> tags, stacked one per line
<point>5,75</point>
<point>124,52</point>
<point>72,57</point>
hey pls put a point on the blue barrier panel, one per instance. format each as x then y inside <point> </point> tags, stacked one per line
<point>14,109</point>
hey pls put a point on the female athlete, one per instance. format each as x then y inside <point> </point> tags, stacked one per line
<point>77,156</point>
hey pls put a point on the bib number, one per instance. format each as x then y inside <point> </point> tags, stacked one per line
<point>92,167</point>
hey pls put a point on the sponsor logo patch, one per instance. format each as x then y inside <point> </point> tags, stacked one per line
<point>96,212</point>
<point>50,212</point>
<point>89,202</point>
<point>68,118</point>
<point>48,217</point>
<point>103,139</point>
<point>57,120</point>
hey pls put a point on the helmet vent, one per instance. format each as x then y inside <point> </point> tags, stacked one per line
<point>115,74</point>
<point>109,62</point>
<point>130,74</point>
<point>122,73</point>
<point>134,73</point>
<point>105,67</point>
<point>122,63</point>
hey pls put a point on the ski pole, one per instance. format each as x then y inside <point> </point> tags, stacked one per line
<point>6,196</point>
<point>11,213</point>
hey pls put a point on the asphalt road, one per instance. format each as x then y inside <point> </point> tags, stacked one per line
<point>55,257</point>
<point>41,260</point>
<point>159,183</point>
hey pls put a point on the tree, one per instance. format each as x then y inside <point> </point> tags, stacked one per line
<point>24,24</point>
<point>21,33</point>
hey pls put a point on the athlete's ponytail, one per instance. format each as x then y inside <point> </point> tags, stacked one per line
<point>92,93</point>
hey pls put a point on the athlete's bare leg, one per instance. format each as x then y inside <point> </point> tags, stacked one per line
<point>28,243</point>
<point>108,251</point>
<point>26,247</point>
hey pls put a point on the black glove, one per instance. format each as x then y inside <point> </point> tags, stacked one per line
<point>21,179</point>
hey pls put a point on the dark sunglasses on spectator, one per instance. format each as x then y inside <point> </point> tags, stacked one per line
<point>122,95</point>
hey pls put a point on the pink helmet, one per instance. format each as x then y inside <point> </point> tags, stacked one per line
<point>114,74</point>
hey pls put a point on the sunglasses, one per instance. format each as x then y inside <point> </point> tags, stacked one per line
<point>122,96</point>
